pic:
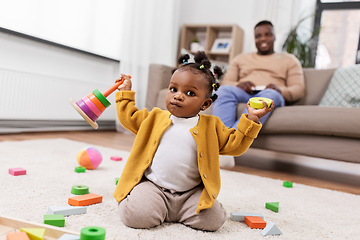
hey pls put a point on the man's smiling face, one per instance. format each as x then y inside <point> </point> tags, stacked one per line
<point>264,39</point>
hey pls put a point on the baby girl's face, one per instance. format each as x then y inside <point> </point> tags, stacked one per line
<point>187,94</point>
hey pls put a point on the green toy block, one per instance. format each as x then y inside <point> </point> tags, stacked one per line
<point>273,206</point>
<point>288,184</point>
<point>116,180</point>
<point>57,220</point>
<point>80,169</point>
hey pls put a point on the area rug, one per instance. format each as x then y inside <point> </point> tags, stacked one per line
<point>305,212</point>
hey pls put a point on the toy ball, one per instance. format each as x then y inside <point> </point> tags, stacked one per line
<point>89,157</point>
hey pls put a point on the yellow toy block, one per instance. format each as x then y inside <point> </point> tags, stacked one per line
<point>34,233</point>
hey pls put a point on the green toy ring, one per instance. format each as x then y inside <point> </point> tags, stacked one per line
<point>79,189</point>
<point>92,233</point>
<point>256,102</point>
<point>101,98</point>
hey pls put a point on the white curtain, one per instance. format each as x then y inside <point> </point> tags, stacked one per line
<point>149,34</point>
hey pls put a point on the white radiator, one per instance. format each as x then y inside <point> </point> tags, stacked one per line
<point>37,78</point>
<point>28,96</point>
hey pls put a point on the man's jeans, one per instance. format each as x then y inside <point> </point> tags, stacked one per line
<point>229,96</point>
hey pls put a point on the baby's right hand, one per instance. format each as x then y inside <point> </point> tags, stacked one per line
<point>126,85</point>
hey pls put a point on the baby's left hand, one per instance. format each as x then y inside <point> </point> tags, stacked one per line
<point>256,114</point>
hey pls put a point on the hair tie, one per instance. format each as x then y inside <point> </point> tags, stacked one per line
<point>213,85</point>
<point>202,66</point>
<point>184,61</point>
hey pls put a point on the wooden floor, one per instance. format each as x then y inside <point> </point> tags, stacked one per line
<point>122,141</point>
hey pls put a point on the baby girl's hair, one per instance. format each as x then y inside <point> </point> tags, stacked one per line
<point>202,65</point>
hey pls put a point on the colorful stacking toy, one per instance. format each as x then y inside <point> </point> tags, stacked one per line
<point>93,105</point>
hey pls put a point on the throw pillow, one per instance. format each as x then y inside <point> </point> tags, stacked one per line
<point>344,88</point>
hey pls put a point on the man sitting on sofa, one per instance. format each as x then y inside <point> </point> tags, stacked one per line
<point>264,73</point>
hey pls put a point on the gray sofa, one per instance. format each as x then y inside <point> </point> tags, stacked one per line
<point>303,128</point>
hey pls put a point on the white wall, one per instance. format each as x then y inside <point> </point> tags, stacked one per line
<point>98,26</point>
<point>246,13</point>
<point>90,25</point>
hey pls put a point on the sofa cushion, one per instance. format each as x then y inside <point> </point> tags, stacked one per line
<point>316,83</point>
<point>160,101</point>
<point>314,120</point>
<point>344,88</point>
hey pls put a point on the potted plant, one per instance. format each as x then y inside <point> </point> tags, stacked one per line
<point>304,50</point>
<point>194,45</point>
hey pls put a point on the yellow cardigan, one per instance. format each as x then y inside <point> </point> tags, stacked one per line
<point>212,138</point>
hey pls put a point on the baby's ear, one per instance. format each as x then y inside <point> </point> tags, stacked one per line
<point>207,103</point>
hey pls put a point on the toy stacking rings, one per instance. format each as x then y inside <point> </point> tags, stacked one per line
<point>93,105</point>
<point>92,233</point>
<point>256,102</point>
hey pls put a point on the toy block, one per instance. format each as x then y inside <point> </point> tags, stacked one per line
<point>17,171</point>
<point>271,229</point>
<point>80,169</point>
<point>34,233</point>
<point>288,184</point>
<point>79,189</point>
<point>17,236</point>
<point>66,210</point>
<point>273,206</point>
<point>67,236</point>
<point>85,200</point>
<point>240,217</point>
<point>255,222</point>
<point>57,220</point>
<point>116,158</point>
<point>116,180</point>
<point>92,232</point>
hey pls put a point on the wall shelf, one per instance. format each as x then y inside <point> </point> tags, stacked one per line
<point>207,34</point>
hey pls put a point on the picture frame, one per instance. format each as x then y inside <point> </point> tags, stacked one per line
<point>221,45</point>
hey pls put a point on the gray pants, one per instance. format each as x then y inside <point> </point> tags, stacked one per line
<point>149,205</point>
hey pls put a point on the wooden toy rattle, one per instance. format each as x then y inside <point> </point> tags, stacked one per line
<point>93,105</point>
<point>256,102</point>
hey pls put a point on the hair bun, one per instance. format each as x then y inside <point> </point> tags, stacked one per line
<point>184,58</point>
<point>200,56</point>
<point>218,72</point>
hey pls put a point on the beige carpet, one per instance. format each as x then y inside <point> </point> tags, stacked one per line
<point>305,212</point>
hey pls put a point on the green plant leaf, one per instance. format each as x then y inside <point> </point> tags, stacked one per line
<point>303,50</point>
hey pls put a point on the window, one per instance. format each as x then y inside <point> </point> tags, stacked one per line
<point>338,41</point>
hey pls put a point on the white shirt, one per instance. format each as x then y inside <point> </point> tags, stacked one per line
<point>175,165</point>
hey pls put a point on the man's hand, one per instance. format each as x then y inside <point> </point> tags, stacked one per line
<point>256,114</point>
<point>126,85</point>
<point>247,86</point>
<point>273,86</point>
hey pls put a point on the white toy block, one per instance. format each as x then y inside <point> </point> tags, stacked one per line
<point>66,210</point>
<point>240,217</point>
<point>271,229</point>
<point>67,236</point>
